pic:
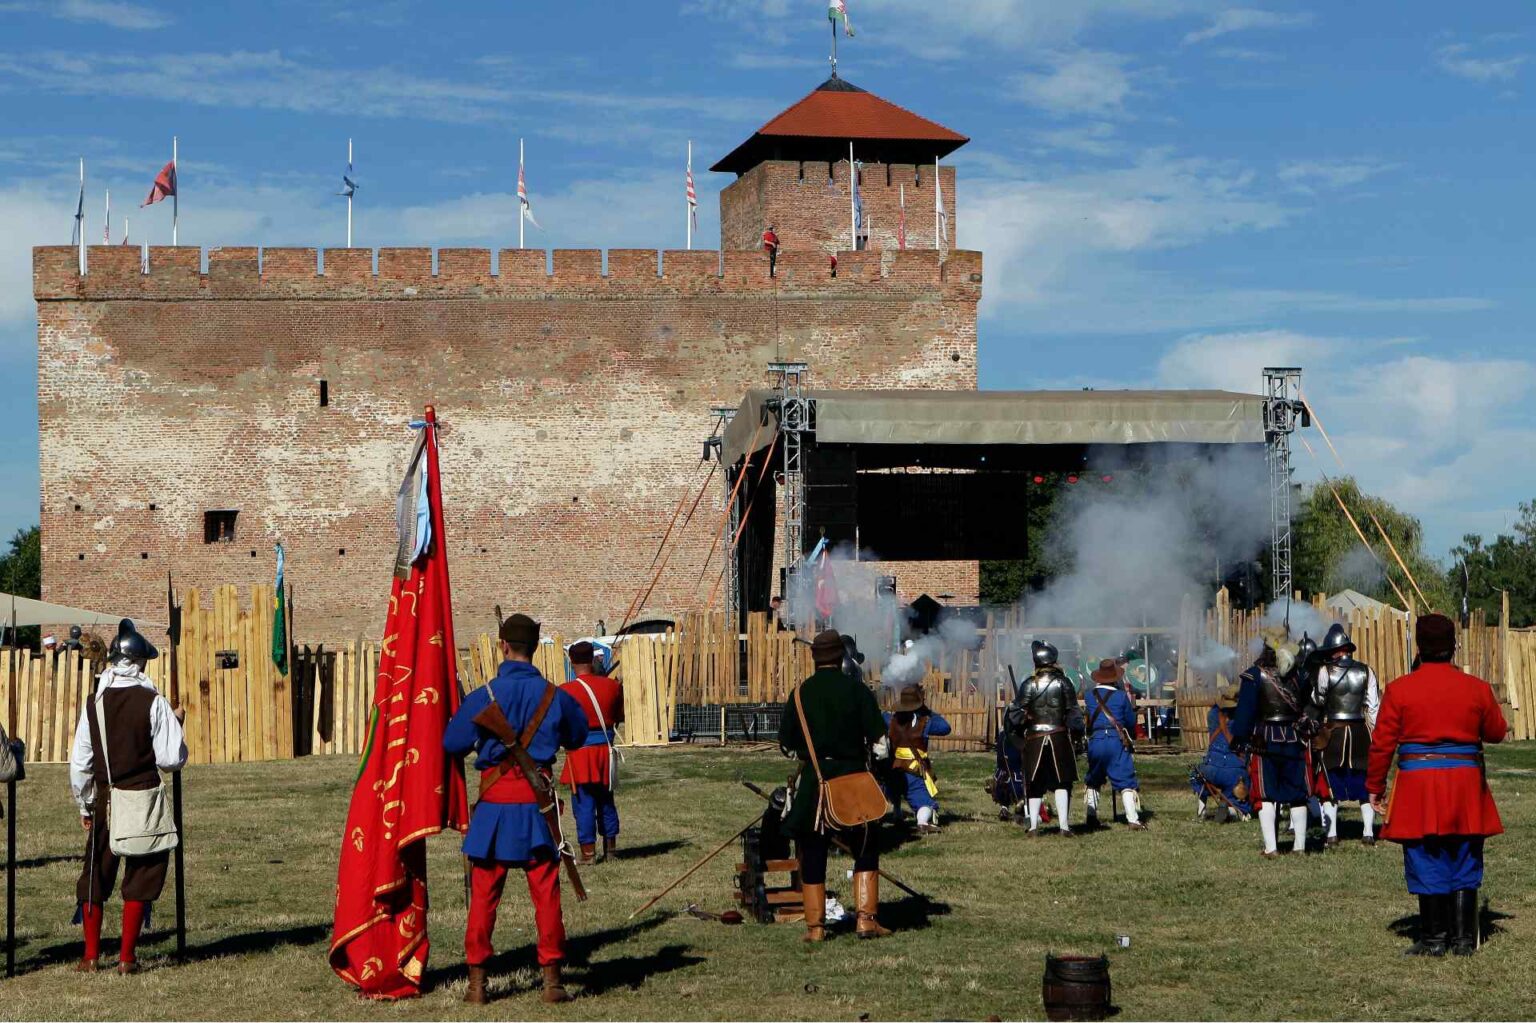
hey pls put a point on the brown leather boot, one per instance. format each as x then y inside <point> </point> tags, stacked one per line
<point>475,994</point>
<point>815,896</point>
<point>85,966</point>
<point>866,899</point>
<point>588,854</point>
<point>610,848</point>
<point>127,966</point>
<point>554,990</point>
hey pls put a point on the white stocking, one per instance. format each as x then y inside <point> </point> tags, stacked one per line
<point>1299,826</point>
<point>924,816</point>
<point>1368,815</point>
<point>1063,804</point>
<point>1091,800</point>
<point>1267,815</point>
<point>1331,819</point>
<point>1200,808</point>
<point>1034,812</point>
<point>1132,803</point>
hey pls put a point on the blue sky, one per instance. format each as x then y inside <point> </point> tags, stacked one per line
<point>1167,192</point>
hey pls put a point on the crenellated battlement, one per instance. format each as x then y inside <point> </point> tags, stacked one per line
<point>116,272</point>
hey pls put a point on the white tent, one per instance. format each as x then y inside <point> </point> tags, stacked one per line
<point>1345,601</point>
<point>40,612</point>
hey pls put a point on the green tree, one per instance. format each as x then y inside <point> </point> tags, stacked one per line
<point>1004,582</point>
<point>21,573</point>
<point>1328,555</point>
<point>1482,571</point>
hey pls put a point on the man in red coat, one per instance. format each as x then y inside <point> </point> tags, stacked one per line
<point>771,246</point>
<point>1436,720</point>
<point>589,771</point>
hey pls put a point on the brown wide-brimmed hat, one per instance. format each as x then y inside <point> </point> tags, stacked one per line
<point>827,647</point>
<point>1109,671</point>
<point>1226,697</point>
<point>1435,637</point>
<point>911,698</point>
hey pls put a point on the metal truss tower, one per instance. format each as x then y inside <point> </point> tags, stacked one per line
<point>1283,410</point>
<point>794,414</point>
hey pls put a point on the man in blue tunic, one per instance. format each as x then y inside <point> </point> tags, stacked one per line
<point>1222,773</point>
<point>1270,703</point>
<point>912,775</point>
<point>507,828</point>
<point>1111,720</point>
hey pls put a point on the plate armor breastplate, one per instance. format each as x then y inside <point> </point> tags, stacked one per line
<point>1049,698</point>
<point>1345,698</point>
<point>1277,699</point>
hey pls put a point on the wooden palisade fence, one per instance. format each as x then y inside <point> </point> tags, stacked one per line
<point>240,708</point>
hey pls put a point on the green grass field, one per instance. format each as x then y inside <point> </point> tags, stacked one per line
<point>1217,933</point>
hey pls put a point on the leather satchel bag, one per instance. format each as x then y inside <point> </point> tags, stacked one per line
<point>140,822</point>
<point>847,801</point>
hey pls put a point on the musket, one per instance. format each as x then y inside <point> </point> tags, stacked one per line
<point>494,720</point>
<point>845,848</point>
<point>173,613</point>
<point>716,851</point>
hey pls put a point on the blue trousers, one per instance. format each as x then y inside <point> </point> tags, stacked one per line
<point>905,783</point>
<point>593,806</point>
<point>1442,865</point>
<point>1108,758</point>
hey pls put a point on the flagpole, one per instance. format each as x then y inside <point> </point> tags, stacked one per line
<point>833,22</point>
<point>80,217</point>
<point>521,207</point>
<point>106,223</point>
<point>176,193</point>
<point>688,200</point>
<point>349,195</point>
<point>853,189</point>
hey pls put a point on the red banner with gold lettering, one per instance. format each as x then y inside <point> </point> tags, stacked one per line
<point>408,788</point>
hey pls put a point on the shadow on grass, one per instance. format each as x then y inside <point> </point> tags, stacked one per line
<point>911,914</point>
<point>234,944</point>
<point>595,977</point>
<point>641,852</point>
<point>48,861</point>
<point>1487,922</point>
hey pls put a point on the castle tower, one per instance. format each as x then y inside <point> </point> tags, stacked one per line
<point>793,173</point>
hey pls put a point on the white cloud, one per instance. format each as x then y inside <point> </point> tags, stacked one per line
<point>1077,82</point>
<point>1440,438</point>
<point>1309,176</point>
<point>103,12</point>
<point>1457,59</point>
<point>273,80</point>
<point>1246,19</point>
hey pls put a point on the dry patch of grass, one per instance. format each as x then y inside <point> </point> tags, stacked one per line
<point>1216,932</point>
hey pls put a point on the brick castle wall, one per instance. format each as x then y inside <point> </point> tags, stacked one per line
<point>809,204</point>
<point>574,399</point>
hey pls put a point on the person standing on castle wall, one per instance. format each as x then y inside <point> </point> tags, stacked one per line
<point>592,771</point>
<point>771,246</point>
<point>1111,716</point>
<point>1435,720</point>
<point>912,776</point>
<point>507,829</point>
<point>128,733</point>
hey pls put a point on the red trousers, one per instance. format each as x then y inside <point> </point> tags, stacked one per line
<point>486,882</point>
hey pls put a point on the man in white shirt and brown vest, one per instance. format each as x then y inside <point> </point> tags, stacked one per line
<point>143,737</point>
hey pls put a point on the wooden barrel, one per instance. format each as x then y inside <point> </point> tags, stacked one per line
<point>1076,987</point>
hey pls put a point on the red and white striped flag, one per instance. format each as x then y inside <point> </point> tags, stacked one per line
<point>106,223</point>
<point>901,220</point>
<point>693,200</point>
<point>522,195</point>
<point>164,187</point>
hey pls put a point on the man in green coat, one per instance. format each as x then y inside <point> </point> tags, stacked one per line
<point>844,720</point>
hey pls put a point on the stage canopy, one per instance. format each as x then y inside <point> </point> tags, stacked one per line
<point>986,418</point>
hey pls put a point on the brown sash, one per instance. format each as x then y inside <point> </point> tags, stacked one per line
<point>493,774</point>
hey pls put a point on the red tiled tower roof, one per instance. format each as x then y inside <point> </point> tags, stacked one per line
<point>821,125</point>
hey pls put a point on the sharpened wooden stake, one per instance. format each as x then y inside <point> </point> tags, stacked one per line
<point>691,870</point>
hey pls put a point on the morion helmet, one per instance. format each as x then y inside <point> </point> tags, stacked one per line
<point>1043,654</point>
<point>130,644</point>
<point>1337,639</point>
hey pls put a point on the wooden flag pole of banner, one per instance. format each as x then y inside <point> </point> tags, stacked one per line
<point>408,788</point>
